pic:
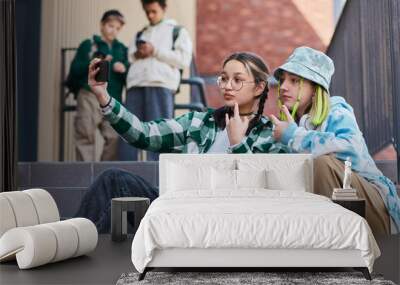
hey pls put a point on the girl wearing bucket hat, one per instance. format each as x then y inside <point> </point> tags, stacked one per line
<point>311,121</point>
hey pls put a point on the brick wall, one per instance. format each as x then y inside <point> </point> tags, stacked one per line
<point>270,28</point>
<point>320,16</point>
<point>387,153</point>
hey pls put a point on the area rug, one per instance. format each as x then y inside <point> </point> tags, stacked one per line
<point>243,278</point>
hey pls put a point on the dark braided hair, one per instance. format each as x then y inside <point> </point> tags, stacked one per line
<point>260,71</point>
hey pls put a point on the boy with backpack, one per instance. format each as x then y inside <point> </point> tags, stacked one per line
<point>89,118</point>
<point>158,53</point>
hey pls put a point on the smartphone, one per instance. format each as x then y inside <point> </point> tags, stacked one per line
<point>104,71</point>
<point>99,54</point>
<point>139,42</point>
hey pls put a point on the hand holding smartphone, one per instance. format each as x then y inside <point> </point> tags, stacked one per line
<point>104,71</point>
<point>103,74</point>
<point>98,85</point>
<point>140,42</point>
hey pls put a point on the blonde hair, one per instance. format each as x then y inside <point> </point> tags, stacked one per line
<point>319,108</point>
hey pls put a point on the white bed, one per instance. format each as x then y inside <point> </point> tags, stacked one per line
<point>247,211</point>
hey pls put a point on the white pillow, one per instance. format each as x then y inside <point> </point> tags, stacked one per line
<point>293,179</point>
<point>188,177</point>
<point>223,179</point>
<point>251,178</point>
<point>184,174</point>
<point>282,172</point>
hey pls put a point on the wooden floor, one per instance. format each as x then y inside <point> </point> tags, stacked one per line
<point>388,264</point>
<point>102,266</point>
<point>110,259</point>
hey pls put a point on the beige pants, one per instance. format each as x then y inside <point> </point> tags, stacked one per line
<point>328,174</point>
<point>88,119</point>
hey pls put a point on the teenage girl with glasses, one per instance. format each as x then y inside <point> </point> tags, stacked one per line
<point>237,127</point>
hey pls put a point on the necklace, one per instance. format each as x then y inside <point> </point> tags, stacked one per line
<point>246,114</point>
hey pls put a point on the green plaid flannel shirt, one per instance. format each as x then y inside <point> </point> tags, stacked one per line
<point>193,132</point>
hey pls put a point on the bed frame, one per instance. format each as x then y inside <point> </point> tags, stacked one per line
<point>246,259</point>
<point>242,259</point>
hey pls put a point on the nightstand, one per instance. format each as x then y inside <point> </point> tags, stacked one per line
<point>119,208</point>
<point>357,205</point>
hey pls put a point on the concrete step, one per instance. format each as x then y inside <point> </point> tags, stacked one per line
<point>68,181</point>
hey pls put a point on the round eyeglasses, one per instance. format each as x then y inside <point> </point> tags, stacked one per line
<point>236,84</point>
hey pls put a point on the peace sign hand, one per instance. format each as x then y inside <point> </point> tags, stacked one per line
<point>236,126</point>
<point>280,126</point>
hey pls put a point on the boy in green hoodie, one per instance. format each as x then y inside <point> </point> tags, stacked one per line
<point>88,118</point>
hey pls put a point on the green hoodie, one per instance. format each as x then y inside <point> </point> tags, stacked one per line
<point>84,54</point>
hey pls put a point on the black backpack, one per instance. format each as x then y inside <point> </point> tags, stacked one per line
<point>73,82</point>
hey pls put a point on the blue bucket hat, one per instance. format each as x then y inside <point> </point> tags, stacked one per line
<point>310,64</point>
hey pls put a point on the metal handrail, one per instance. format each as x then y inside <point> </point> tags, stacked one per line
<point>63,106</point>
<point>199,83</point>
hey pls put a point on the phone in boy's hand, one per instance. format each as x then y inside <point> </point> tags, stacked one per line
<point>104,71</point>
<point>139,42</point>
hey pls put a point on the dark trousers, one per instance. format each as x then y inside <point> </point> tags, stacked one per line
<point>148,104</point>
<point>112,183</point>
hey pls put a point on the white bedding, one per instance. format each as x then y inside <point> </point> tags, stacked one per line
<point>252,218</point>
